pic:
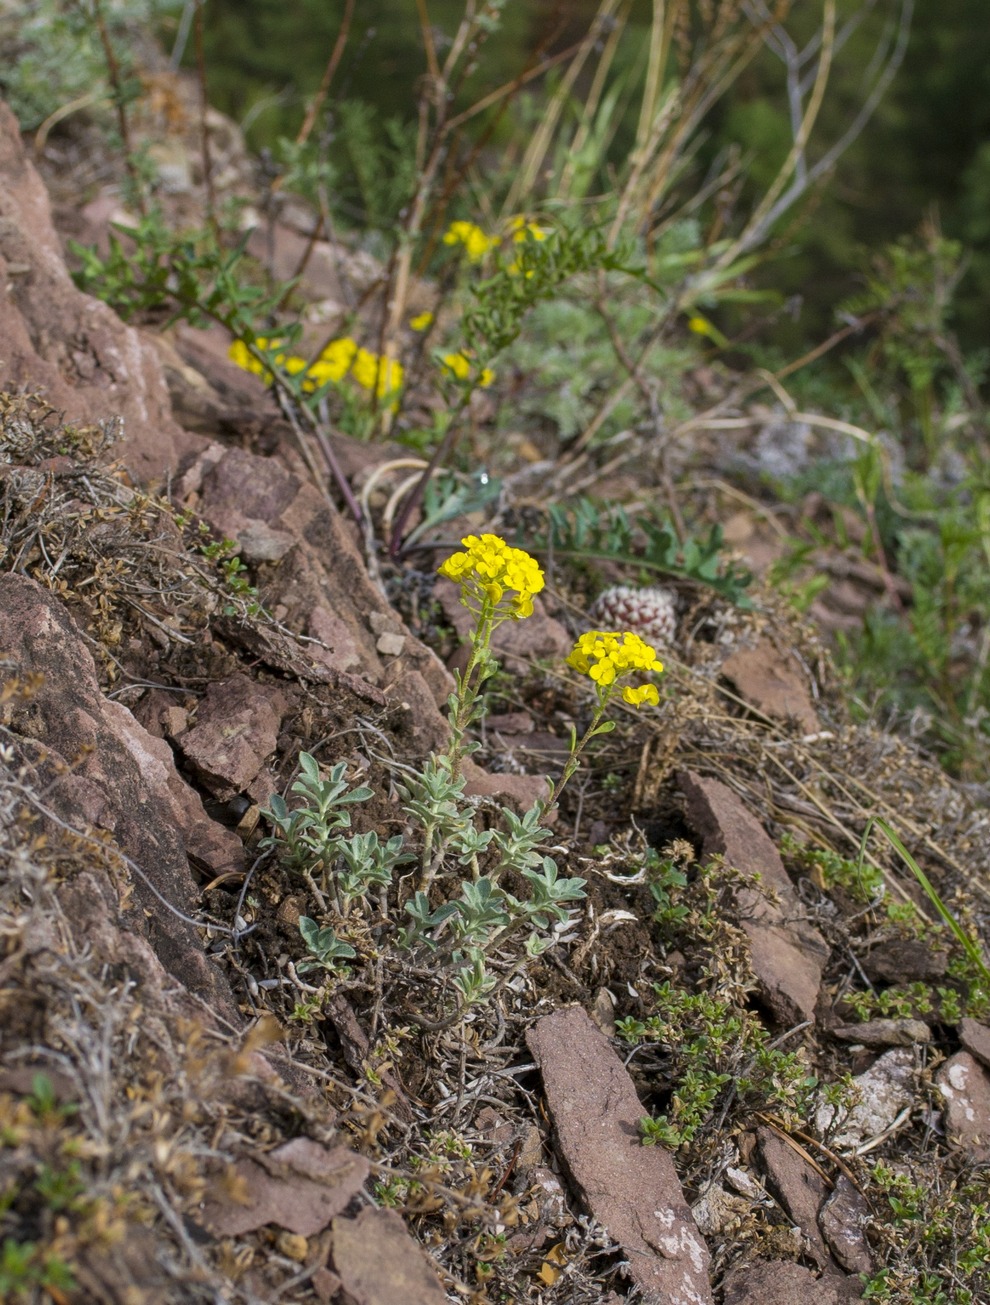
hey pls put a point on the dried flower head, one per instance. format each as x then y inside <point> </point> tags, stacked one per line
<point>488,570</point>
<point>605,657</point>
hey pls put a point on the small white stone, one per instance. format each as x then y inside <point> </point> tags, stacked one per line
<point>390,645</point>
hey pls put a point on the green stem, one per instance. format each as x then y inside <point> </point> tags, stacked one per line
<point>469,688</point>
<point>574,758</point>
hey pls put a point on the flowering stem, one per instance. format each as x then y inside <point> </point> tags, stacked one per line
<point>479,668</point>
<point>574,757</point>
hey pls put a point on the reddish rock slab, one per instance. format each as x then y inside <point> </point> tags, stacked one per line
<point>843,1220</point>
<point>236,730</point>
<point>965,1088</point>
<point>884,1033</point>
<point>300,1186</point>
<point>772,683</point>
<point>906,960</point>
<point>378,1263</point>
<point>105,770</point>
<point>799,1187</point>
<point>631,1189</point>
<point>783,1283</point>
<point>53,338</point>
<point>788,954</point>
<point>317,586</point>
<point>975,1038</point>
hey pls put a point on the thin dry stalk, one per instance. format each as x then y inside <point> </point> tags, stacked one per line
<point>757,221</point>
<point>123,124</point>
<point>534,160</point>
<point>204,132</point>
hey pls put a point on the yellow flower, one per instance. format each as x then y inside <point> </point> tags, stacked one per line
<point>488,569</point>
<point>523,230</point>
<point>421,322</point>
<point>240,354</point>
<point>372,372</point>
<point>645,693</point>
<point>604,657</point>
<point>702,326</point>
<point>459,366</point>
<point>475,241</point>
<point>335,359</point>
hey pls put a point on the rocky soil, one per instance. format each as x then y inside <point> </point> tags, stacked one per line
<point>195,1137</point>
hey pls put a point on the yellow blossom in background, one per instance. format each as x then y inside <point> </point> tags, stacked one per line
<point>604,657</point>
<point>523,230</point>
<point>459,365</point>
<point>475,241</point>
<point>240,354</point>
<point>488,570</point>
<point>702,326</point>
<point>377,373</point>
<point>421,322</point>
<point>335,359</point>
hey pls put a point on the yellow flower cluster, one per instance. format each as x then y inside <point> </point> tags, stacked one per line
<point>475,241</point>
<point>605,657</point>
<point>522,231</point>
<point>337,359</point>
<point>460,365</point>
<point>488,569</point>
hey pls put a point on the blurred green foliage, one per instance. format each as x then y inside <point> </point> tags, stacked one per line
<point>928,146</point>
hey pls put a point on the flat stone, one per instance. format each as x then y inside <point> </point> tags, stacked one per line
<point>390,645</point>
<point>965,1088</point>
<point>631,1189</point>
<point>524,790</point>
<point>773,683</point>
<point>843,1220</point>
<point>236,729</point>
<point>883,1091</point>
<point>378,1262</point>
<point>788,954</point>
<point>784,1283</point>
<point>510,722</point>
<point>975,1038</point>
<point>799,1187</point>
<point>906,960</point>
<point>884,1033</point>
<point>299,1186</point>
